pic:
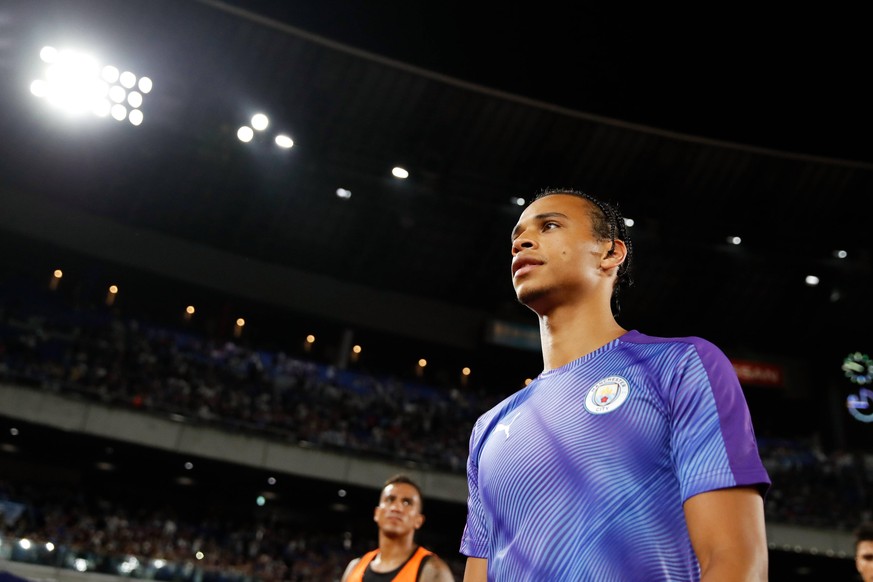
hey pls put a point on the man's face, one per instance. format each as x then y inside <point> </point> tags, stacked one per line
<point>864,560</point>
<point>554,251</point>
<point>399,510</point>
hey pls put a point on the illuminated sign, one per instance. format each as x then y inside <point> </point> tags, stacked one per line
<point>858,368</point>
<point>759,373</point>
<point>504,333</point>
<point>861,405</point>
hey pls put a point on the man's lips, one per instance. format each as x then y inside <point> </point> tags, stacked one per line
<point>523,265</point>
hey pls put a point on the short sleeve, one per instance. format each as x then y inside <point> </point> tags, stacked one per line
<point>474,542</point>
<point>713,441</point>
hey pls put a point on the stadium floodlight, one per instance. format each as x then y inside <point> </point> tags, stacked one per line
<point>134,99</point>
<point>48,54</point>
<point>245,134</point>
<point>399,172</point>
<point>812,280</point>
<point>118,112</point>
<point>127,80</point>
<point>343,193</point>
<point>117,94</point>
<point>102,107</point>
<point>144,84</point>
<point>260,121</point>
<point>74,82</point>
<point>110,74</point>
<point>135,117</point>
<point>283,141</point>
<point>39,88</point>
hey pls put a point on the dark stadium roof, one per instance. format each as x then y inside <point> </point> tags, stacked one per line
<point>701,127</point>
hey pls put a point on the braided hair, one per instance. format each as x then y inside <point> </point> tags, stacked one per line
<point>607,224</point>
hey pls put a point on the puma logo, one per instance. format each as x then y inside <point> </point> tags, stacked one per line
<point>505,427</point>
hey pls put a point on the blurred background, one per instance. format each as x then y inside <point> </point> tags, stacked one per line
<point>255,260</point>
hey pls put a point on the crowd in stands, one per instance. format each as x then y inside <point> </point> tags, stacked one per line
<point>97,353</point>
<point>96,534</point>
<point>122,361</point>
<point>811,487</point>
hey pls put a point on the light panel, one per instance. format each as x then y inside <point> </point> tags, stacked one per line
<point>76,83</point>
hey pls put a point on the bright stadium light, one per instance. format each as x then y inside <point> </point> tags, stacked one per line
<point>48,54</point>
<point>72,82</point>
<point>144,84</point>
<point>102,107</point>
<point>135,117</point>
<point>127,79</point>
<point>39,88</point>
<point>260,122</point>
<point>118,112</point>
<point>76,83</point>
<point>399,172</point>
<point>110,74</point>
<point>255,130</point>
<point>245,134</point>
<point>134,99</point>
<point>117,94</point>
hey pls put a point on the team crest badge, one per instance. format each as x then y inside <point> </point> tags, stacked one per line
<point>607,395</point>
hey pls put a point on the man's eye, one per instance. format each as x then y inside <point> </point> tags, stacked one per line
<point>550,225</point>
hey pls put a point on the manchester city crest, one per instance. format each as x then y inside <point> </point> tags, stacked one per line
<point>607,395</point>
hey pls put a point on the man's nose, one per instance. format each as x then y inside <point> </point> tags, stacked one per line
<point>521,243</point>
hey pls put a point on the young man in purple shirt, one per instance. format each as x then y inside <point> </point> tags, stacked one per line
<point>629,457</point>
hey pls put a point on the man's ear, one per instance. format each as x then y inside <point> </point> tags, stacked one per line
<point>419,521</point>
<point>615,255</point>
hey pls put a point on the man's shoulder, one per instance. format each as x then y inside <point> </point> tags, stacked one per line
<point>435,568</point>
<point>349,568</point>
<point>700,344</point>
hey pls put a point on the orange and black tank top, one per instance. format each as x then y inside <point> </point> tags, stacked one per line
<point>409,571</point>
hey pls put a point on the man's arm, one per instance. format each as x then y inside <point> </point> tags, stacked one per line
<point>349,569</point>
<point>728,535</point>
<point>436,570</point>
<point>477,570</point>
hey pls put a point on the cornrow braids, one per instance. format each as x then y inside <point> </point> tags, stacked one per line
<point>607,224</point>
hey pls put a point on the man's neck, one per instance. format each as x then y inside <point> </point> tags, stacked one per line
<point>393,552</point>
<point>569,332</point>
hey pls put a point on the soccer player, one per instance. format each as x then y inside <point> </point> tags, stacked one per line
<point>864,551</point>
<point>398,558</point>
<point>629,457</point>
